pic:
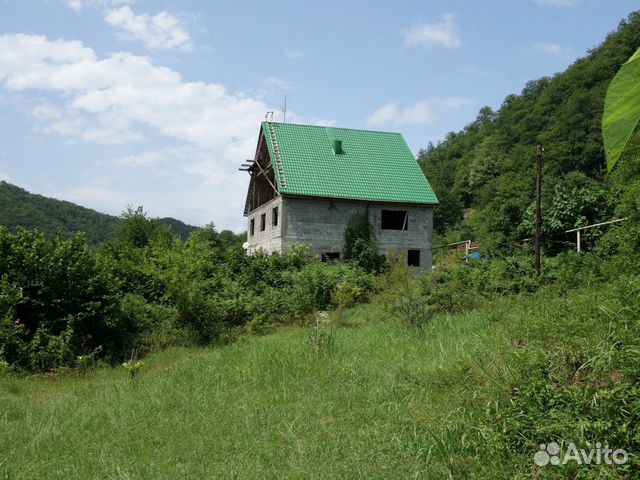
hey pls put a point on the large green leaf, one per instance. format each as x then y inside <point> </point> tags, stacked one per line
<point>621,109</point>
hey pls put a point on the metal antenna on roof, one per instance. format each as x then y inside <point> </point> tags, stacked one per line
<point>284,110</point>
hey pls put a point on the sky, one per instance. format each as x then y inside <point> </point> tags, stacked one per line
<point>109,103</point>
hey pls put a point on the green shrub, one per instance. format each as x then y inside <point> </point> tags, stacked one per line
<point>260,324</point>
<point>202,314</point>
<point>413,308</point>
<point>459,287</point>
<point>85,362</point>
<point>5,368</point>
<point>49,352</point>
<point>347,293</point>
<point>58,300</point>
<point>156,326</point>
<point>361,248</point>
<point>573,269</point>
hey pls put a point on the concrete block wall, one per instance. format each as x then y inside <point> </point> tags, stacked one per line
<point>321,223</point>
<point>418,236</point>
<point>270,239</point>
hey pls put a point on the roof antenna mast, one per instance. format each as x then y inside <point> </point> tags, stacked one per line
<point>284,110</point>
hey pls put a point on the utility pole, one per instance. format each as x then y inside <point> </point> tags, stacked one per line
<point>539,153</point>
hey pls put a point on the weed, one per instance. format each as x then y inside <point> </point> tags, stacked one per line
<point>133,366</point>
<point>322,334</point>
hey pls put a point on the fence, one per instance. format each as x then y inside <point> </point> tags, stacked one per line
<point>470,245</point>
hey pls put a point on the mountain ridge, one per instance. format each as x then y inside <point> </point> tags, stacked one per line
<point>21,208</point>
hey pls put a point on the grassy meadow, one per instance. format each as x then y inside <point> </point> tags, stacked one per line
<point>457,399</point>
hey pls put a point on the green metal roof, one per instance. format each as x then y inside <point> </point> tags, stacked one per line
<point>376,166</point>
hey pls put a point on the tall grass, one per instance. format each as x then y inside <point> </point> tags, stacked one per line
<point>464,397</point>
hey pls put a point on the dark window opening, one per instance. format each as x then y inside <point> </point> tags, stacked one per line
<point>252,226</point>
<point>394,220</point>
<point>263,222</point>
<point>330,256</point>
<point>413,258</point>
<point>274,217</point>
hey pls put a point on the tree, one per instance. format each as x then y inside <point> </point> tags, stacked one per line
<point>138,230</point>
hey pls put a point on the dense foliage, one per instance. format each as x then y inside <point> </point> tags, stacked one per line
<point>361,247</point>
<point>484,175</point>
<point>60,300</point>
<point>19,208</point>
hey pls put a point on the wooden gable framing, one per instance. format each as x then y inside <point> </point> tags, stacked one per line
<point>262,186</point>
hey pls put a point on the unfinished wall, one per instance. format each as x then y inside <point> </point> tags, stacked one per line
<point>321,223</point>
<point>270,239</point>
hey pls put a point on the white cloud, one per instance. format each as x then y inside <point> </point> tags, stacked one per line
<point>295,54</point>
<point>128,100</point>
<point>557,3</point>
<point>423,112</point>
<point>187,182</point>
<point>123,98</point>
<point>127,87</point>
<point>443,33</point>
<point>159,31</point>
<point>107,128</point>
<point>549,49</point>
<point>78,5</point>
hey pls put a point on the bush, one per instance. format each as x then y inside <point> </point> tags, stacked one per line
<point>5,368</point>
<point>202,314</point>
<point>156,326</point>
<point>316,286</point>
<point>573,269</point>
<point>361,248</point>
<point>61,302</point>
<point>413,308</point>
<point>58,300</point>
<point>459,287</point>
<point>260,324</point>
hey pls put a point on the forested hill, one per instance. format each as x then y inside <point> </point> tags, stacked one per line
<point>19,208</point>
<point>484,175</point>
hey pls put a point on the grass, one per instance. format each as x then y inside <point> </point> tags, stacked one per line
<point>388,402</point>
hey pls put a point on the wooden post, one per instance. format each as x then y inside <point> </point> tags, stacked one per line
<point>539,152</point>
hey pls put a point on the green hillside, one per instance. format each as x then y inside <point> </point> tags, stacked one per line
<point>19,208</point>
<point>484,175</point>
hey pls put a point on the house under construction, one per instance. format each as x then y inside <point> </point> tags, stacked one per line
<point>309,183</point>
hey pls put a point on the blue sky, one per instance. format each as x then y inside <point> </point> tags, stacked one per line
<point>114,102</point>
